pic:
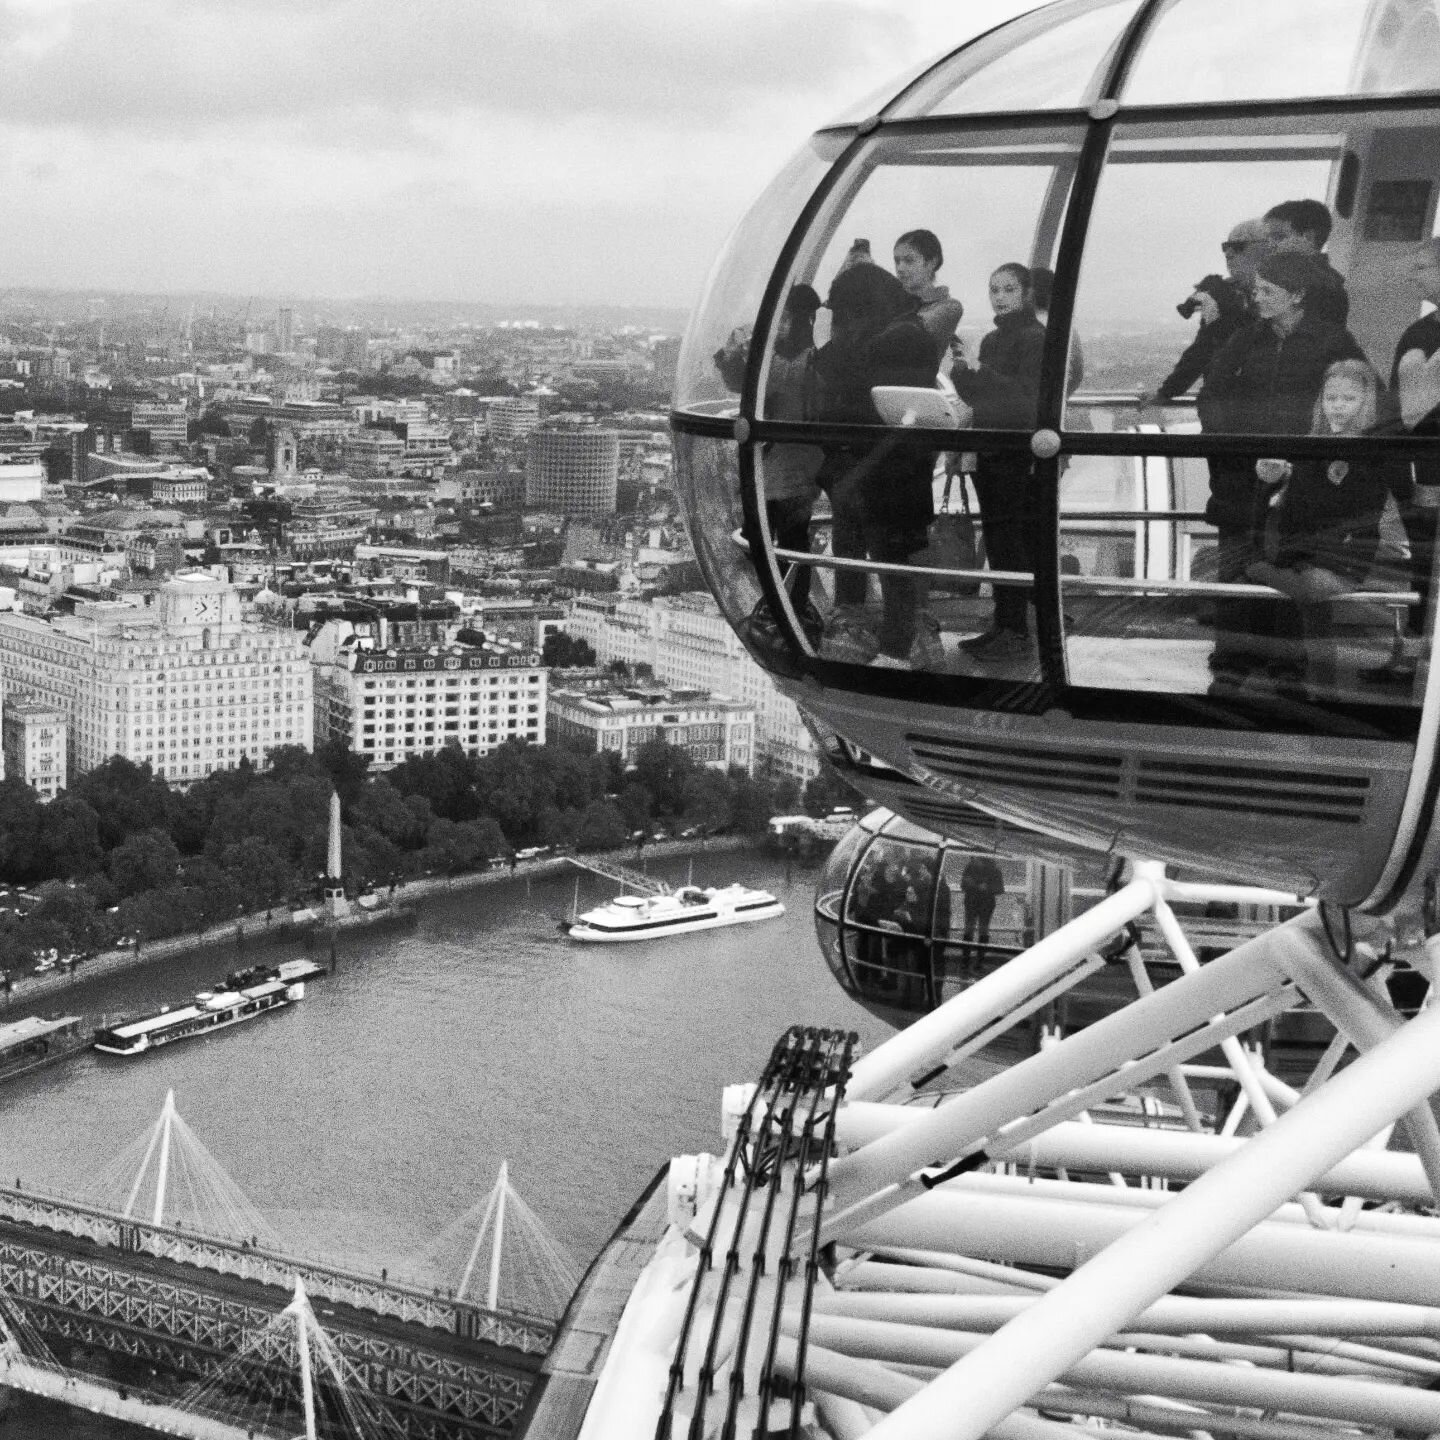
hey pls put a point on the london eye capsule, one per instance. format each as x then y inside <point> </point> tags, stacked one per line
<point>1149,582</point>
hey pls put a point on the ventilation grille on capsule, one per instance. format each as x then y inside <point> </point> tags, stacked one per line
<point>1234,788</point>
<point>1065,772</point>
<point>1252,789</point>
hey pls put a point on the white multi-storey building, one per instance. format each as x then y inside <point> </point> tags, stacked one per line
<point>34,745</point>
<point>686,642</point>
<point>390,703</point>
<point>188,685</point>
<point>713,730</point>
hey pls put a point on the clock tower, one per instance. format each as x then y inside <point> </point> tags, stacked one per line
<point>198,599</point>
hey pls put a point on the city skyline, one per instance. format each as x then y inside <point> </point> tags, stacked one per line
<point>585,155</point>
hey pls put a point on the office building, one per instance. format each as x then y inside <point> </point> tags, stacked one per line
<point>32,736</point>
<point>686,641</point>
<point>389,701</point>
<point>187,685</point>
<point>713,730</point>
<point>572,469</point>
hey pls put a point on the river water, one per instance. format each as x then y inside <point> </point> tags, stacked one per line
<point>364,1121</point>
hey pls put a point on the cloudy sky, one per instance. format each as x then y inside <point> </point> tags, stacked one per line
<point>592,151</point>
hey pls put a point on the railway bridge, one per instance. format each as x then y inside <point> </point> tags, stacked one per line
<point>203,1311</point>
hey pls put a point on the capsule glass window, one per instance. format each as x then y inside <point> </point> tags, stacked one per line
<point>1234,50</point>
<point>1056,59</point>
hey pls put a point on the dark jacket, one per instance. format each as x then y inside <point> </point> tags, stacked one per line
<point>1005,389</point>
<point>1196,357</point>
<point>1328,514</point>
<point>1327,299</point>
<point>893,475</point>
<point>1262,384</point>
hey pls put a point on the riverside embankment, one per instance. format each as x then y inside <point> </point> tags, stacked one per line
<point>263,926</point>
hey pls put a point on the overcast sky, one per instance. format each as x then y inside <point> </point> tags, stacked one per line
<point>592,151</point>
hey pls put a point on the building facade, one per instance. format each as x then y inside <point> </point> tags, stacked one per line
<point>712,729</point>
<point>513,417</point>
<point>32,736</point>
<point>685,641</point>
<point>573,469</point>
<point>188,686</point>
<point>392,702</point>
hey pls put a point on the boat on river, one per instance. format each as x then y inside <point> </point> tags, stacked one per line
<point>26,1045</point>
<point>259,992</point>
<point>690,908</point>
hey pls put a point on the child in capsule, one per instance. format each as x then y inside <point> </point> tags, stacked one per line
<point>1002,388</point>
<point>1320,520</point>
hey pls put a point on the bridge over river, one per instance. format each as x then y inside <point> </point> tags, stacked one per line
<point>243,1338</point>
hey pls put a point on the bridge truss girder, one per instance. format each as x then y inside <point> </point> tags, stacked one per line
<point>195,1333</point>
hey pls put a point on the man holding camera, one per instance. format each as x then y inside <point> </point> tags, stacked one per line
<point>1223,306</point>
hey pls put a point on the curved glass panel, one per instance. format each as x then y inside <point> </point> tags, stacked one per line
<point>1054,60</point>
<point>1200,51</point>
<point>888,922</point>
<point>1187,287</point>
<point>1306,599</point>
<point>901,349</point>
<point>737,280</point>
<point>707,483</point>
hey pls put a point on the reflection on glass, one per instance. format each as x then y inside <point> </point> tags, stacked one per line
<point>1060,64</point>
<point>707,478</point>
<point>737,281</point>
<point>952,339</point>
<point>1218,50</point>
<point>1311,601</point>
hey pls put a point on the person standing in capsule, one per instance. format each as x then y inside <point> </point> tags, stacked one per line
<point>1002,388</point>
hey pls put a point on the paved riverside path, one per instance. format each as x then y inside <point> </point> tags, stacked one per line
<point>30,988</point>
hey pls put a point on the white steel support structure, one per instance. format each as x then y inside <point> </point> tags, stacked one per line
<point>998,1262</point>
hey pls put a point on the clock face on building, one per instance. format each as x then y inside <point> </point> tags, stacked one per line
<point>207,607</point>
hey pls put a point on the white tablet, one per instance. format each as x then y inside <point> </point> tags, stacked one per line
<point>921,405</point>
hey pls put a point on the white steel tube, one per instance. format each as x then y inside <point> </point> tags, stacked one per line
<point>1361,1402</point>
<point>883,1388</point>
<point>1355,1010</point>
<point>1063,1235</point>
<point>1175,1074</point>
<point>1171,1314</point>
<point>1099,1053</point>
<point>1139,1412</point>
<point>1169,1245</point>
<point>929,1040</point>
<point>1381,1175</point>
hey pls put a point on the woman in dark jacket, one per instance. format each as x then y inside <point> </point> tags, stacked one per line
<point>879,494</point>
<point>1263,381</point>
<point>1002,390</point>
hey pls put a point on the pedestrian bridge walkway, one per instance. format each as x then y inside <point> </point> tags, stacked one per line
<point>241,1336</point>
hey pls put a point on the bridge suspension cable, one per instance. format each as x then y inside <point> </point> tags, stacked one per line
<point>290,1372</point>
<point>168,1177</point>
<point>500,1254</point>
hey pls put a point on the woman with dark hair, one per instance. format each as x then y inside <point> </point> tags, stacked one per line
<point>1003,388</point>
<point>917,257</point>
<point>879,494</point>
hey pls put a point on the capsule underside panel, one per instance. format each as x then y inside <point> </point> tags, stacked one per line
<point>1316,817</point>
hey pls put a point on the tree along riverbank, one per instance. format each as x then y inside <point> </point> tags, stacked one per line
<point>263,926</point>
<point>122,857</point>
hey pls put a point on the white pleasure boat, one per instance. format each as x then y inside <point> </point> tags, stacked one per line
<point>646,917</point>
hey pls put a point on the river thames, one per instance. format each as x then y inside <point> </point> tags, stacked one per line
<point>366,1119</point>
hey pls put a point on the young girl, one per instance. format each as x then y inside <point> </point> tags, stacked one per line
<point>1003,389</point>
<point>1320,519</point>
